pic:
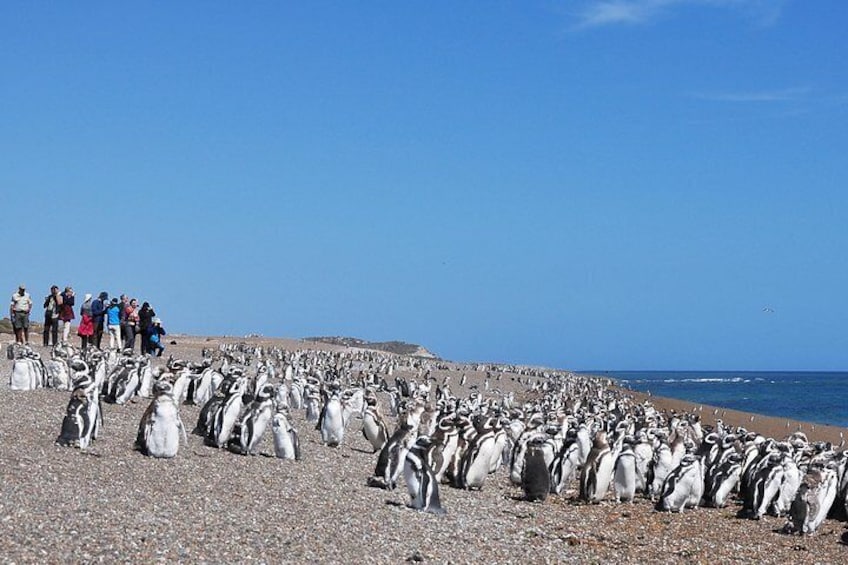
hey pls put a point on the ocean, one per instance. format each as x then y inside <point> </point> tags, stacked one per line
<point>816,397</point>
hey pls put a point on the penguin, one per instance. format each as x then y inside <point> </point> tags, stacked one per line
<point>625,475</point>
<point>683,487</point>
<point>374,427</point>
<point>210,379</point>
<point>331,421</point>
<point>813,500</point>
<point>286,442</point>
<point>312,403</point>
<point>206,418</point>
<point>160,427</point>
<point>421,483</point>
<point>792,477</point>
<point>254,421</point>
<point>659,469</point>
<point>766,485</point>
<point>596,476</point>
<point>392,457</point>
<point>725,481</point>
<point>566,463</point>
<point>76,423</point>
<point>226,414</point>
<point>535,476</point>
<point>476,461</point>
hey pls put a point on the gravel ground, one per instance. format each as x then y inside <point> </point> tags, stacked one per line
<point>110,503</point>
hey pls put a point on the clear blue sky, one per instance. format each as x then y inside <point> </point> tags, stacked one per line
<point>580,184</point>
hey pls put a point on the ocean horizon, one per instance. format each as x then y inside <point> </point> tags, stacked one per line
<point>819,397</point>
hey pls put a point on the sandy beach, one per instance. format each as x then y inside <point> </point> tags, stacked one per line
<point>111,503</point>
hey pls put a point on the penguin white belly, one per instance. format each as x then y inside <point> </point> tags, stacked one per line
<point>373,431</point>
<point>478,469</point>
<point>413,484</point>
<point>22,377</point>
<point>603,476</point>
<point>332,425</point>
<point>163,432</point>
<point>625,478</point>
<point>229,416</point>
<point>130,387</point>
<point>284,447</point>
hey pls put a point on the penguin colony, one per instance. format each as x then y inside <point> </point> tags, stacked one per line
<point>573,431</point>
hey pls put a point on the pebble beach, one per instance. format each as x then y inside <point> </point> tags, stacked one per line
<point>110,503</point>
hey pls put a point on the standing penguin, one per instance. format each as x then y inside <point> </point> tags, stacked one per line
<point>286,443</point>
<point>392,457</point>
<point>683,487</point>
<point>814,498</point>
<point>76,423</point>
<point>160,427</point>
<point>254,421</point>
<point>374,426</point>
<point>625,475</point>
<point>331,422</point>
<point>535,475</point>
<point>597,473</point>
<point>420,480</point>
<point>226,414</point>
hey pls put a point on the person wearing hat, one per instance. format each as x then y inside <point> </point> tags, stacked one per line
<point>156,333</point>
<point>113,324</point>
<point>19,311</point>
<point>86,327</point>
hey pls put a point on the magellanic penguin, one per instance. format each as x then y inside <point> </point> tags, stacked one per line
<point>286,442</point>
<point>254,421</point>
<point>725,481</point>
<point>814,498</point>
<point>420,480</point>
<point>625,474</point>
<point>76,424</point>
<point>392,457</point>
<point>161,427</point>
<point>332,421</point>
<point>596,476</point>
<point>477,459</point>
<point>535,475</point>
<point>226,414</point>
<point>374,427</point>
<point>683,487</point>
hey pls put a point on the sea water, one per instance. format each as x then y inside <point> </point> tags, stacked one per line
<point>807,396</point>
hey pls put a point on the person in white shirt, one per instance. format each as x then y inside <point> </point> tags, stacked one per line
<point>19,311</point>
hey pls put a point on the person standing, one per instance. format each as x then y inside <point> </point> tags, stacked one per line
<point>98,312</point>
<point>145,320</point>
<point>125,303</point>
<point>66,312</point>
<point>51,317</point>
<point>86,326</point>
<point>113,323</point>
<point>19,311</point>
<point>131,315</point>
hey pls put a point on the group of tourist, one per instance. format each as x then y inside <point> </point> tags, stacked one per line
<point>122,319</point>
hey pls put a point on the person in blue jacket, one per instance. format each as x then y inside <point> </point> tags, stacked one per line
<point>156,332</point>
<point>113,324</point>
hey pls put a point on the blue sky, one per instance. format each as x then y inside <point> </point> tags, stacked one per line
<point>579,184</point>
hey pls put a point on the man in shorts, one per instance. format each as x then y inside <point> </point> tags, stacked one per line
<point>19,311</point>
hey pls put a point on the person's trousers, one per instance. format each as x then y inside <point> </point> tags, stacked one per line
<point>114,336</point>
<point>51,328</point>
<point>66,330</point>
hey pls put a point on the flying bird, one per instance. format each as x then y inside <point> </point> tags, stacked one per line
<point>768,310</point>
